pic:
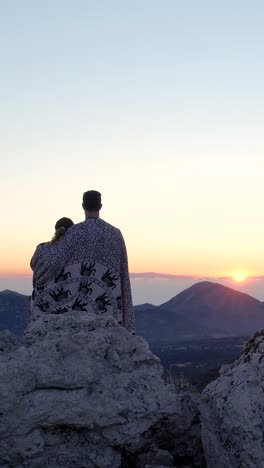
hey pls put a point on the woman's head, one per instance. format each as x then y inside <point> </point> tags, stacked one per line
<point>63,223</point>
<point>61,227</point>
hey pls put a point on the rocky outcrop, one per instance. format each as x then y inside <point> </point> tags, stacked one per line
<point>232,411</point>
<point>80,391</point>
<point>7,342</point>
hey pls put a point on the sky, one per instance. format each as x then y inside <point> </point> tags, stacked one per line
<point>159,105</point>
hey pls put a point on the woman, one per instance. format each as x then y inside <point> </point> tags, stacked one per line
<point>40,262</point>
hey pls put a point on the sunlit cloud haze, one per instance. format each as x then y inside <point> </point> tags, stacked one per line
<point>158,105</point>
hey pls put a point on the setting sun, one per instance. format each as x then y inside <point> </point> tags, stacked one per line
<point>239,276</point>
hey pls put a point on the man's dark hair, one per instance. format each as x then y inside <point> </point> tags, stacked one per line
<point>92,200</point>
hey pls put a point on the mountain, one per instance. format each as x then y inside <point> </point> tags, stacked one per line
<point>158,323</point>
<point>13,312</point>
<point>204,310</point>
<point>216,306</point>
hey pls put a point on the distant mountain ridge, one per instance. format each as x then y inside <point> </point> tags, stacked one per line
<point>203,310</point>
<point>219,306</point>
<point>13,311</point>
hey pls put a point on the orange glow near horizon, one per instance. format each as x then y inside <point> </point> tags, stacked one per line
<point>145,256</point>
<point>239,276</point>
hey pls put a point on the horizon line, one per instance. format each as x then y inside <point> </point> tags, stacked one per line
<point>153,275</point>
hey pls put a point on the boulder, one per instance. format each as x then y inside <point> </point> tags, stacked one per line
<point>232,411</point>
<point>79,390</point>
<point>178,434</point>
<point>155,456</point>
<point>7,342</point>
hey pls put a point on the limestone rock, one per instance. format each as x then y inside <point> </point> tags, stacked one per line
<point>232,411</point>
<point>179,434</point>
<point>81,391</point>
<point>158,466</point>
<point>7,342</point>
<point>155,456</point>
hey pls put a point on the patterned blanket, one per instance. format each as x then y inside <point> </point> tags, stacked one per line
<point>85,270</point>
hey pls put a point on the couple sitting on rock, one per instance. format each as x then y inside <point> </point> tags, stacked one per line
<point>83,268</point>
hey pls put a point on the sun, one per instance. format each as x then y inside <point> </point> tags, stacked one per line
<point>239,276</point>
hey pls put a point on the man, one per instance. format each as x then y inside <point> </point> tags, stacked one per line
<point>85,270</point>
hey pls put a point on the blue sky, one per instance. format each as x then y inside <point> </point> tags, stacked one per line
<point>138,76</point>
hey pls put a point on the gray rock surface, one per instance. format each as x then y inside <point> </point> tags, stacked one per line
<point>7,342</point>
<point>155,456</point>
<point>179,434</point>
<point>232,411</point>
<point>80,391</point>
